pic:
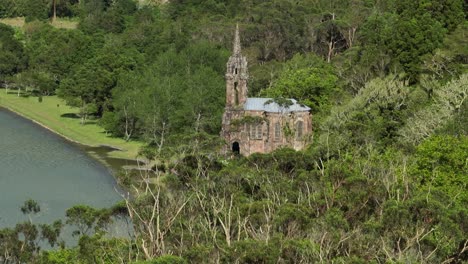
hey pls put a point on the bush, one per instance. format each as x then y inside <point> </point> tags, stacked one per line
<point>167,259</point>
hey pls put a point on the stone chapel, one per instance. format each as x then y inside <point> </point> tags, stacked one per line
<point>259,125</point>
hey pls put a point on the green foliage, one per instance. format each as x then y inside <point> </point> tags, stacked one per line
<point>86,219</point>
<point>52,232</point>
<point>7,8</point>
<point>450,59</point>
<point>311,85</point>
<point>441,164</point>
<point>383,181</point>
<point>96,248</point>
<point>418,36</point>
<point>249,251</point>
<point>247,120</point>
<point>448,13</point>
<point>178,93</point>
<point>374,115</point>
<point>12,57</point>
<point>53,53</point>
<point>105,16</point>
<point>168,259</point>
<point>62,256</point>
<point>402,38</point>
<point>30,206</point>
<point>36,10</point>
<point>22,243</point>
<point>446,110</point>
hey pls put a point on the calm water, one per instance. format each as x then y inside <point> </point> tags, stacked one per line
<point>36,164</point>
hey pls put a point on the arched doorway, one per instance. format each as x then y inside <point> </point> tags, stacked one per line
<point>236,148</point>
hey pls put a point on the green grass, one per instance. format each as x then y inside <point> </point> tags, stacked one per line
<point>18,22</point>
<point>64,23</point>
<point>14,22</point>
<point>55,115</point>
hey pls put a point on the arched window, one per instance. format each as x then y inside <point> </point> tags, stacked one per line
<point>252,131</point>
<point>299,129</point>
<point>256,131</point>
<point>236,93</point>
<point>277,131</point>
<point>259,131</point>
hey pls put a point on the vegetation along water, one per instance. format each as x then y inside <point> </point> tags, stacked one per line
<point>281,131</point>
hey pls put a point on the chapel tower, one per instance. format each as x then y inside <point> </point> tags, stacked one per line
<point>259,125</point>
<point>236,76</point>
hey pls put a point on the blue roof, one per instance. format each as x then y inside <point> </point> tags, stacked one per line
<point>267,105</point>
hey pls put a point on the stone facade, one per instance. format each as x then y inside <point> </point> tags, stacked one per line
<point>259,125</point>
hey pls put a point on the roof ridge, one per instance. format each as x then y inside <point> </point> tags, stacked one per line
<point>259,104</point>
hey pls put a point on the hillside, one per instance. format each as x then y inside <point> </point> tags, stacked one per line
<point>384,179</point>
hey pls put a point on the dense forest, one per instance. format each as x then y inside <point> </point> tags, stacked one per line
<point>383,181</point>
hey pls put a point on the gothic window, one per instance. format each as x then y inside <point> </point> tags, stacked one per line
<point>259,131</point>
<point>236,71</point>
<point>256,131</point>
<point>277,131</point>
<point>252,131</point>
<point>299,129</point>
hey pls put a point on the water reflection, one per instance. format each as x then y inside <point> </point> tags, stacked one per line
<point>115,164</point>
<point>37,164</point>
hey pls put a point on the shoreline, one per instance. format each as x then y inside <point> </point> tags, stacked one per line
<point>42,125</point>
<point>113,157</point>
<point>84,147</point>
<point>56,116</point>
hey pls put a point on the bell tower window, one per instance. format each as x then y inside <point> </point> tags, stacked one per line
<point>299,129</point>
<point>235,71</point>
<point>236,93</point>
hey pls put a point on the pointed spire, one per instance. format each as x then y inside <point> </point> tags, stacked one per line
<point>237,45</point>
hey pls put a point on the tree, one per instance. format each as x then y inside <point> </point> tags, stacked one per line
<point>441,164</point>
<point>128,99</point>
<point>21,244</point>
<point>81,91</point>
<point>449,100</point>
<point>448,13</point>
<point>311,85</point>
<point>12,56</point>
<point>36,10</point>
<point>7,8</point>
<point>416,37</point>
<point>30,207</point>
<point>87,219</point>
<point>330,40</point>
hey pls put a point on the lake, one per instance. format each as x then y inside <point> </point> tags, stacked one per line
<point>37,164</point>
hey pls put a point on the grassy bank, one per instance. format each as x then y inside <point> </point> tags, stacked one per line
<point>58,23</point>
<point>61,119</point>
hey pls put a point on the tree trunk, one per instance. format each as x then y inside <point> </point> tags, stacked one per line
<point>163,132</point>
<point>351,35</point>
<point>54,10</point>
<point>331,47</point>
<point>128,125</point>
<point>83,112</point>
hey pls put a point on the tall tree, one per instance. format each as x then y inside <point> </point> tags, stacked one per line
<point>12,56</point>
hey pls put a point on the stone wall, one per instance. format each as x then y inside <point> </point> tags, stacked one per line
<point>262,132</point>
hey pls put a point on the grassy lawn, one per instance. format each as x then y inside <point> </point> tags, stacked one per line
<point>54,114</point>
<point>14,22</point>
<point>59,23</point>
<point>64,23</point>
